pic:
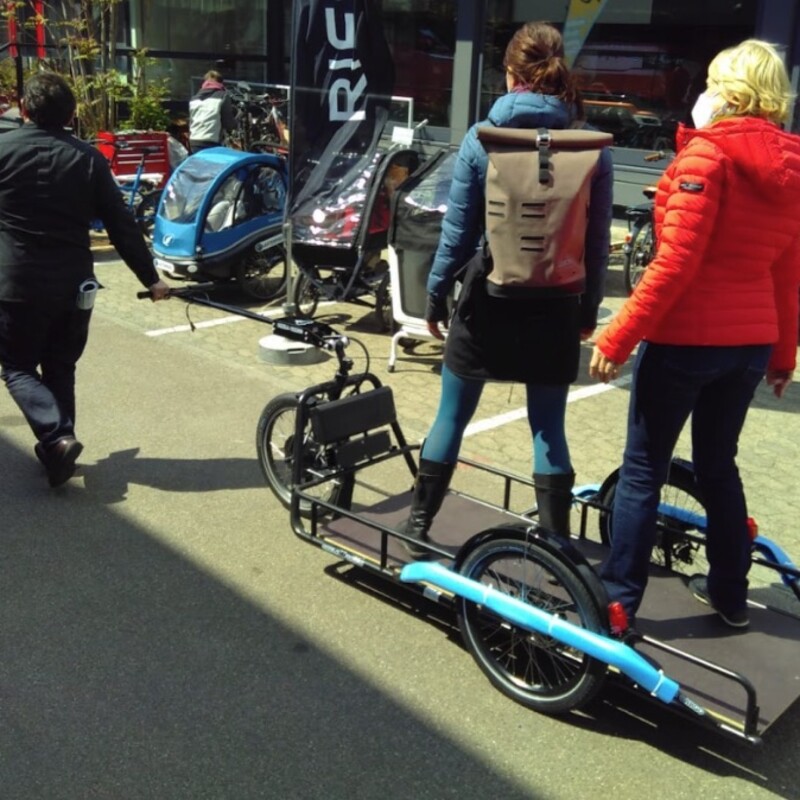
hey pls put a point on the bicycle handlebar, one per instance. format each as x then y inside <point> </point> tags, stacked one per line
<point>297,329</point>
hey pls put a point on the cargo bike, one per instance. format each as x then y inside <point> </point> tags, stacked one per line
<point>528,602</point>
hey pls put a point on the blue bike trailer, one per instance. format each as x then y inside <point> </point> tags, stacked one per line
<point>221,209</point>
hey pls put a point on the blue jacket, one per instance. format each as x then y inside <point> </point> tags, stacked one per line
<point>463,222</point>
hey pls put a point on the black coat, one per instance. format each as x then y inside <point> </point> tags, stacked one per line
<point>52,186</point>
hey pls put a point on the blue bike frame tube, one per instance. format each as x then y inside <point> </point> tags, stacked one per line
<point>612,652</point>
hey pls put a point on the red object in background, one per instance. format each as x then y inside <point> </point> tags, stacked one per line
<point>41,34</point>
<point>124,160</point>
<point>11,9</point>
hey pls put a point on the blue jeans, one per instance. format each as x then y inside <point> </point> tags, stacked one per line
<point>40,343</point>
<point>459,400</point>
<point>715,385</point>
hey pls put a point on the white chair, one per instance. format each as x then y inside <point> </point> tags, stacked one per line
<point>408,273</point>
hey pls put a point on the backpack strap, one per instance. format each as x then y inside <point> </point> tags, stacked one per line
<point>543,145</point>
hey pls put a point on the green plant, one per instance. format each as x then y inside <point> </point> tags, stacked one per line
<point>145,101</point>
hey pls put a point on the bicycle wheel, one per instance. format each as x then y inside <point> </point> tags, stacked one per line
<point>681,520</point>
<point>146,213</point>
<point>306,294</point>
<point>275,437</point>
<point>642,250</point>
<point>534,669</point>
<point>262,276</point>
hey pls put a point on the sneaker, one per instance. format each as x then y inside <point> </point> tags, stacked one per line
<point>735,619</point>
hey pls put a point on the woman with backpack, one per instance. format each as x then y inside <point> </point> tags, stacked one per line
<point>531,340</point>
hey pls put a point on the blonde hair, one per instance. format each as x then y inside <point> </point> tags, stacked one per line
<point>752,80</point>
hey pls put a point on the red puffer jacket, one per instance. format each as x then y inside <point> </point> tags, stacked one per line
<point>727,266</point>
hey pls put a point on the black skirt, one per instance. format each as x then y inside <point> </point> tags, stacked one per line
<point>526,340</point>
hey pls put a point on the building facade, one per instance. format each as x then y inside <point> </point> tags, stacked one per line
<point>641,62</point>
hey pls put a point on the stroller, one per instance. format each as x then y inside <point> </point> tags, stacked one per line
<point>221,219</point>
<point>338,246</point>
<point>417,210</point>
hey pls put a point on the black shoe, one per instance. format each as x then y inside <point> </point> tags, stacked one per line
<point>59,460</point>
<point>735,619</point>
<point>41,453</point>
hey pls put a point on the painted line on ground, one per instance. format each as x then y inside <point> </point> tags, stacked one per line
<point>521,413</point>
<point>211,323</point>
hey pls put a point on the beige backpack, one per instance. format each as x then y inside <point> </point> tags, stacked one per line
<point>538,185</point>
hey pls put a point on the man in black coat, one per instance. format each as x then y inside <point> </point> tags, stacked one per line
<point>52,186</point>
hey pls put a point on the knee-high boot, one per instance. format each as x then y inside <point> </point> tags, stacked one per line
<point>554,500</point>
<point>430,487</point>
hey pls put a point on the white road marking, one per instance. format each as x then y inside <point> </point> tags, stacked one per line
<point>211,323</point>
<point>521,413</point>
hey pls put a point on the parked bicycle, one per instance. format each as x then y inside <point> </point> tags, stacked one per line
<point>260,123</point>
<point>640,243</point>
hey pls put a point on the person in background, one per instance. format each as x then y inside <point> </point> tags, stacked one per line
<point>210,113</point>
<point>51,187</point>
<point>532,340</point>
<point>716,310</point>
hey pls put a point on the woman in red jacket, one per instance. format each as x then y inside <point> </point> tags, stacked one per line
<point>716,310</point>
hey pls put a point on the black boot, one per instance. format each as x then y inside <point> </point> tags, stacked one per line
<point>554,500</point>
<point>430,487</point>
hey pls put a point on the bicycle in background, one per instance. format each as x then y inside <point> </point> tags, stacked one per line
<point>141,193</point>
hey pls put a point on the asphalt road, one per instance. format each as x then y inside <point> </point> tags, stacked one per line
<point>164,635</point>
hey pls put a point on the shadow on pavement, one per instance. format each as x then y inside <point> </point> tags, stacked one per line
<point>129,673</point>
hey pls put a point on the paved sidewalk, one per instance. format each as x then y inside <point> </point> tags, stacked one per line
<point>164,635</point>
<point>769,453</point>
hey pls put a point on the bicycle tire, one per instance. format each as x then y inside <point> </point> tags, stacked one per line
<point>640,254</point>
<point>306,295</point>
<point>275,447</point>
<point>679,544</point>
<point>262,276</point>
<point>533,669</point>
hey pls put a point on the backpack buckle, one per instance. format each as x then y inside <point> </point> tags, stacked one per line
<point>543,142</point>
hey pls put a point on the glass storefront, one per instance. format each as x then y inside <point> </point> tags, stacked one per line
<point>421,35</point>
<point>227,28</point>
<point>641,64</point>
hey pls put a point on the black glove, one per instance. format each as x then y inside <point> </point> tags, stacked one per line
<point>436,309</point>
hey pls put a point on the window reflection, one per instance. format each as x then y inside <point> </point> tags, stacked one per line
<point>642,64</point>
<point>421,36</point>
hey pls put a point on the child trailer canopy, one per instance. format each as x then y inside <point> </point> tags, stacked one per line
<point>221,218</point>
<point>339,236</point>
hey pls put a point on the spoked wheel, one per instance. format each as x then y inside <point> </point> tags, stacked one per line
<point>534,669</point>
<point>262,276</point>
<point>275,439</point>
<point>642,250</point>
<point>384,318</point>
<point>306,294</point>
<point>680,544</point>
<point>146,213</point>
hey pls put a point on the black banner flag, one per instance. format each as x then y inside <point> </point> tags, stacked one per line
<point>342,80</point>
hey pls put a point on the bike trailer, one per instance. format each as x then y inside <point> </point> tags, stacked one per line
<point>221,217</point>
<point>341,231</point>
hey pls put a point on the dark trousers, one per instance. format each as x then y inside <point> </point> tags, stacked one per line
<point>715,385</point>
<point>40,343</point>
